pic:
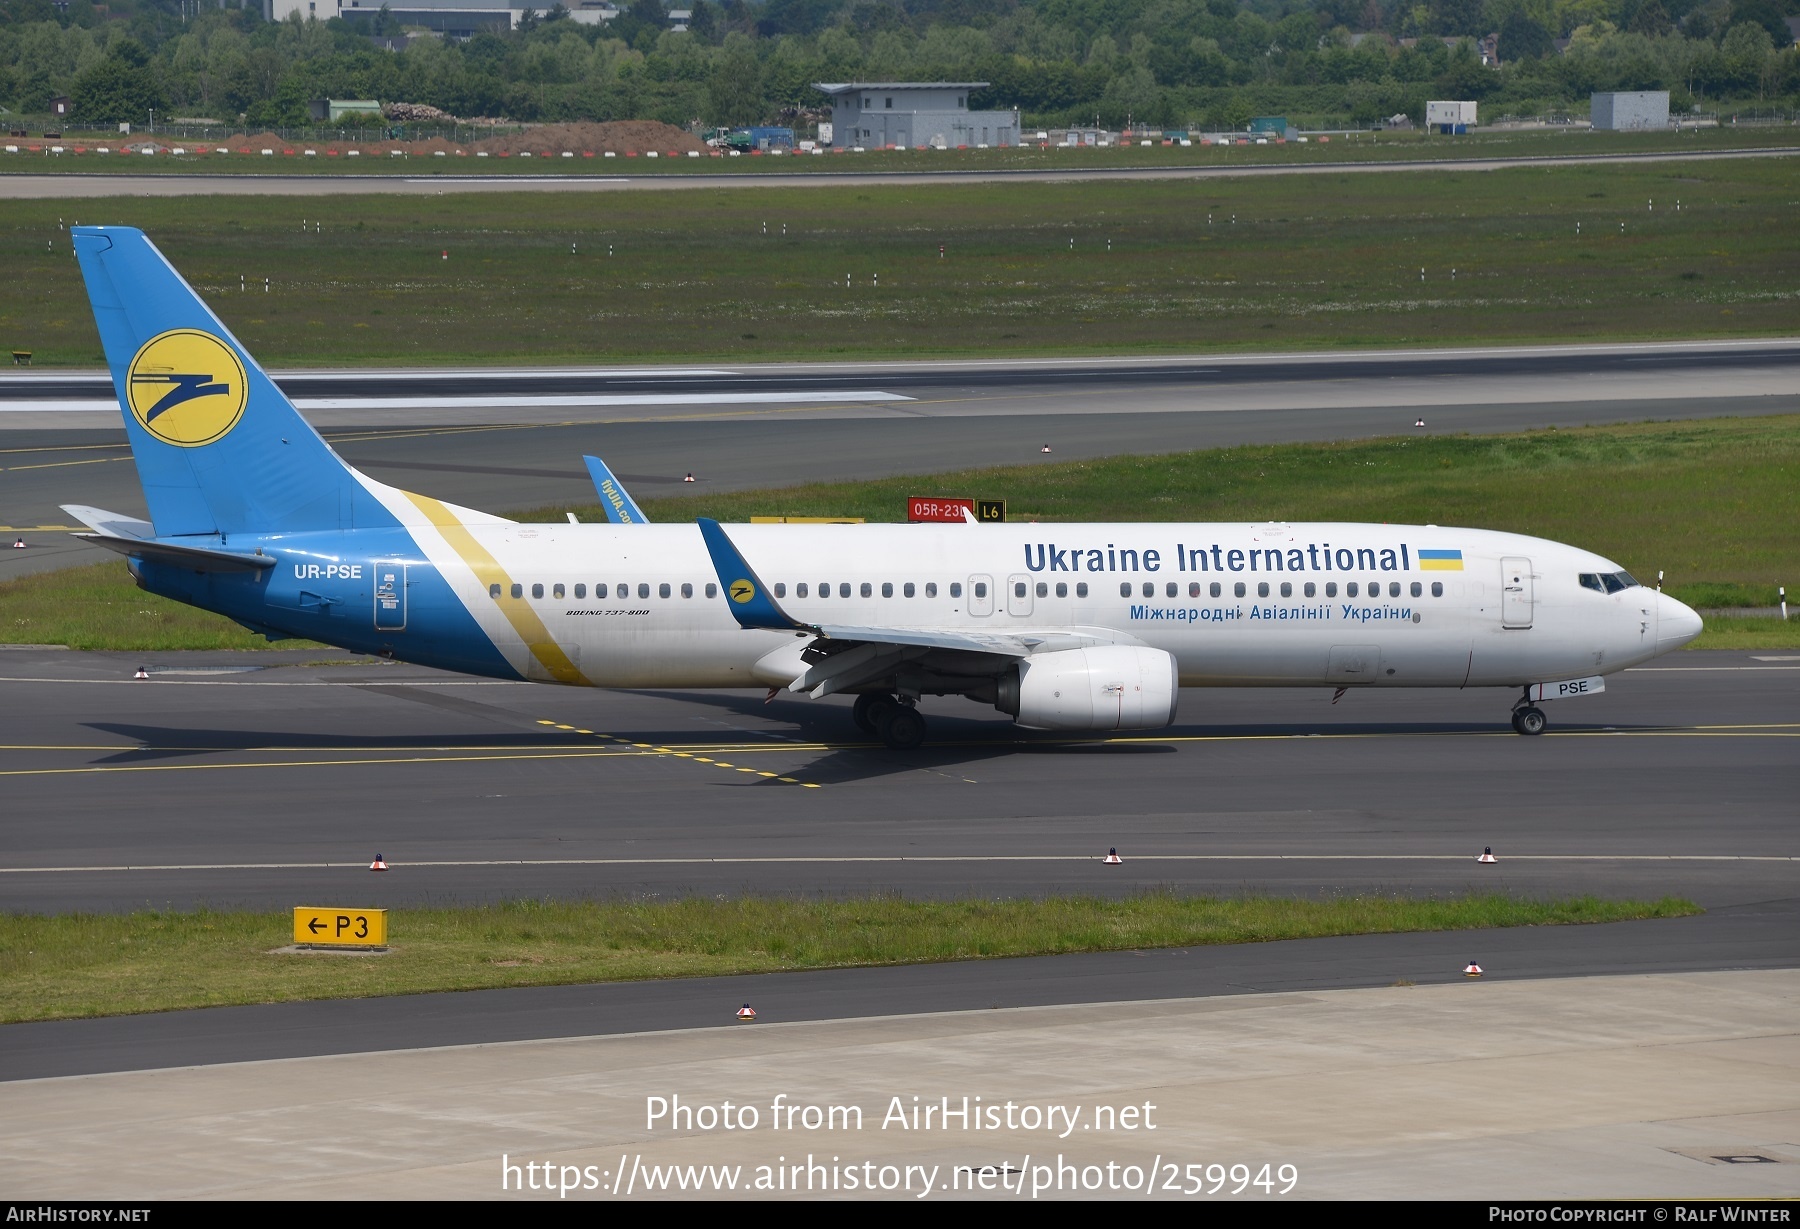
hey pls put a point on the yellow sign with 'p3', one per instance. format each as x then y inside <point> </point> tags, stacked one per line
<point>340,927</point>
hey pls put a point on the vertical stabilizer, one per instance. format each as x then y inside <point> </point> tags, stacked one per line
<point>219,448</point>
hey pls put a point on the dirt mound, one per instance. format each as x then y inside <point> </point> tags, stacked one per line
<point>620,137</point>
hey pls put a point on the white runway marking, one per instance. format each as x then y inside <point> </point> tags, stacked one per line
<point>1095,858</point>
<point>833,396</point>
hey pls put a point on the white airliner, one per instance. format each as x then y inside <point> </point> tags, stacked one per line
<point>1061,627</point>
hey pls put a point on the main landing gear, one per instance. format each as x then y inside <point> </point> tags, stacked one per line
<point>895,722</point>
<point>1527,718</point>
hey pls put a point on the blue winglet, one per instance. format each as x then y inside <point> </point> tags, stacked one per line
<point>619,507</point>
<point>750,601</point>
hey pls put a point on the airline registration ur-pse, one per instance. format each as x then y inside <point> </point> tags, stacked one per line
<point>1065,627</point>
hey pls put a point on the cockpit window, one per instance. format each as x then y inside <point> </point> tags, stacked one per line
<point>1607,582</point>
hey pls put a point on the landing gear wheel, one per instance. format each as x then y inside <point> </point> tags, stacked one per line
<point>1530,721</point>
<point>870,708</point>
<point>903,728</point>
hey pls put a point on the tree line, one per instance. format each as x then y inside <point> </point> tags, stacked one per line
<point>1206,63</point>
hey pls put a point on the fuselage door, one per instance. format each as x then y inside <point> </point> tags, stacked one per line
<point>1018,596</point>
<point>981,595</point>
<point>390,596</point>
<point>1515,593</point>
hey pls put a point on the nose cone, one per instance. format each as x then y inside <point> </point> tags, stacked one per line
<point>1676,623</point>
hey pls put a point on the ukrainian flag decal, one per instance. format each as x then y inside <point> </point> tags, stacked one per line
<point>1440,561</point>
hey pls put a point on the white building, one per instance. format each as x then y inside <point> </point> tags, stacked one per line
<point>1626,112</point>
<point>457,18</point>
<point>876,114</point>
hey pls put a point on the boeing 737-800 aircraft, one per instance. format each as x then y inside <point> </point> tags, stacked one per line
<point>1062,627</point>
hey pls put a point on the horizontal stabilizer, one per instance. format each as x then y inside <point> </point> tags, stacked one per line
<point>197,558</point>
<point>619,507</point>
<point>113,524</point>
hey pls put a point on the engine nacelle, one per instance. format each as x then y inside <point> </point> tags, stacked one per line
<point>1112,687</point>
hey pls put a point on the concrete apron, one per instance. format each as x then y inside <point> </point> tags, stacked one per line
<point>1638,1086</point>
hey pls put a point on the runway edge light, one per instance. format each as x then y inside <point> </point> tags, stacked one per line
<point>1472,970</point>
<point>746,1013</point>
<point>1112,858</point>
<point>1487,855</point>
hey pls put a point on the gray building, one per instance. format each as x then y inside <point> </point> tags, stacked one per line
<point>1625,112</point>
<point>874,114</point>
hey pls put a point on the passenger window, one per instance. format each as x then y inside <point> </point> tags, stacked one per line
<point>1287,589</point>
<point>1418,590</point>
<point>1393,588</point>
<point>1238,589</point>
<point>687,590</point>
<point>1081,588</point>
<point>1170,589</point>
<point>1018,588</point>
<point>907,589</point>
<point>867,590</point>
<point>800,589</point>
<point>1214,589</point>
<point>825,588</point>
<point>599,590</point>
<point>1149,588</point>
<point>662,590</point>
<point>1262,588</point>
<point>1311,589</point>
<point>981,588</point>
<point>1124,588</point>
<point>955,589</point>
<point>537,591</point>
<point>494,589</point>
<point>887,588</point>
<point>1350,589</point>
<point>844,589</point>
<point>780,589</point>
<point>580,590</point>
<point>1193,588</point>
<point>712,590</point>
<point>622,592</point>
<point>1062,588</point>
<point>556,591</point>
<point>931,589</point>
<point>1437,588</point>
<point>1331,588</point>
<point>1043,590</point>
<point>643,589</point>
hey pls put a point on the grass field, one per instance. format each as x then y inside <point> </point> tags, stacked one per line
<point>1358,147</point>
<point>1712,503</point>
<point>1115,267</point>
<point>88,965</point>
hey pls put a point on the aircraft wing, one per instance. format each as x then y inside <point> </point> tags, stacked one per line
<point>620,508</point>
<point>843,656</point>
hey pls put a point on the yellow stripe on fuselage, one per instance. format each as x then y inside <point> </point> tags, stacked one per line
<point>487,569</point>
<point>1440,565</point>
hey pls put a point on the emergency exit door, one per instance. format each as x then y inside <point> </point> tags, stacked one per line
<point>1018,596</point>
<point>981,595</point>
<point>1515,593</point>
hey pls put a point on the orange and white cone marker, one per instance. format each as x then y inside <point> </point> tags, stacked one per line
<point>746,1013</point>
<point>141,673</point>
<point>1045,448</point>
<point>378,864</point>
<point>18,543</point>
<point>1473,970</point>
<point>1112,858</point>
<point>1487,855</point>
<point>690,477</point>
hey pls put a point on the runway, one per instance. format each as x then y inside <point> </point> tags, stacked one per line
<point>205,784</point>
<point>78,185</point>
<point>506,440</point>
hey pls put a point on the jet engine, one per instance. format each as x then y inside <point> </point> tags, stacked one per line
<point>1110,687</point>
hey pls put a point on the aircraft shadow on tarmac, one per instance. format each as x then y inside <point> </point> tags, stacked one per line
<point>168,742</point>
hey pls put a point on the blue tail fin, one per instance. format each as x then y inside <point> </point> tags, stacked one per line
<point>620,508</point>
<point>219,448</point>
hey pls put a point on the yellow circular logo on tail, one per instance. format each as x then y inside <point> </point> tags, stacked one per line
<point>187,388</point>
<point>742,591</point>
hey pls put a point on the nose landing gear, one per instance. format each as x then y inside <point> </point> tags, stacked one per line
<point>1527,718</point>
